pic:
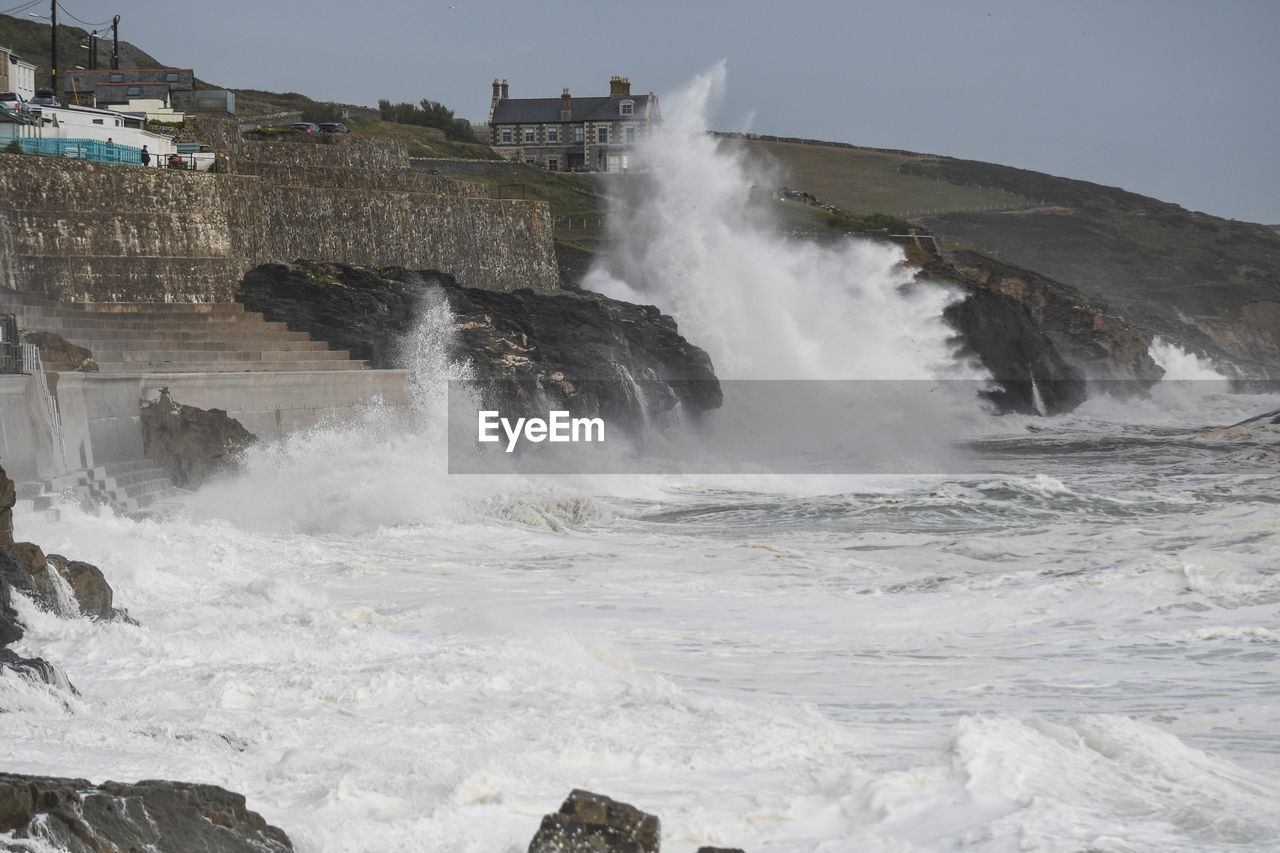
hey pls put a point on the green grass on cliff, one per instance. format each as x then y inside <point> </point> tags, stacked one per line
<point>863,180</point>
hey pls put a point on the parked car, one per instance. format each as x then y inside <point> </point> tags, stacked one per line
<point>12,101</point>
<point>44,98</point>
<point>305,126</point>
<point>334,127</point>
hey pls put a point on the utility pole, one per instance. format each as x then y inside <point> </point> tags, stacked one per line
<point>115,43</point>
<point>53,54</point>
<point>93,50</point>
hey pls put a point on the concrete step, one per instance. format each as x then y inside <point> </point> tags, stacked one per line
<point>182,337</point>
<point>137,319</point>
<point>178,308</point>
<point>263,342</point>
<point>55,324</point>
<point>217,356</point>
<point>140,367</point>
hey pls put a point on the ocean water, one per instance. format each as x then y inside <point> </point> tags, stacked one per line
<point>1073,646</point>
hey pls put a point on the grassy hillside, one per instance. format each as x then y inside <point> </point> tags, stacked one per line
<point>869,181</point>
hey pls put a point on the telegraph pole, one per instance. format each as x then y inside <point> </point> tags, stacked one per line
<point>115,43</point>
<point>53,54</point>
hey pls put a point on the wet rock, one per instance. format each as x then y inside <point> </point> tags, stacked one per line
<point>531,351</point>
<point>77,816</point>
<point>191,444</point>
<point>10,571</point>
<point>720,850</point>
<point>59,354</point>
<point>68,587</point>
<point>1017,353</point>
<point>593,823</point>
<point>8,497</point>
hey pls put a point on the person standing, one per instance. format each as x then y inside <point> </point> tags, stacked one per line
<point>146,156</point>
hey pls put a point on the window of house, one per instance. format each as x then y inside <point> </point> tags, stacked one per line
<point>97,121</point>
<point>553,134</point>
<point>506,135</point>
<point>630,133</point>
<point>627,108</point>
<point>171,77</point>
<point>135,90</point>
<point>579,134</point>
<point>553,164</point>
<point>529,134</point>
<point>115,78</point>
<point>602,134</point>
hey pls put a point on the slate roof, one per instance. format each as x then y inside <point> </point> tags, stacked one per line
<point>547,110</point>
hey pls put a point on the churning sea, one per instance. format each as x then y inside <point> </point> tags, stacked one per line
<point>1074,646</point>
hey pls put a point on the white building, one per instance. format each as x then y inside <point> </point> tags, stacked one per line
<point>17,75</point>
<point>84,132</point>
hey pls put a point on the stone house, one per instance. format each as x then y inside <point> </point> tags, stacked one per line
<point>568,134</point>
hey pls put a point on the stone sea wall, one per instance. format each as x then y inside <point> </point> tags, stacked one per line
<point>83,231</point>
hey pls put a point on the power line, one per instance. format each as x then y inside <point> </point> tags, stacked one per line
<point>24,7</point>
<point>77,20</point>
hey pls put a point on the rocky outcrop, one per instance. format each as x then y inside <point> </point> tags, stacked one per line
<point>1085,334</point>
<point>191,444</point>
<point>1032,375</point>
<point>59,354</point>
<point>594,823</point>
<point>77,816</point>
<point>531,351</point>
<point>69,587</point>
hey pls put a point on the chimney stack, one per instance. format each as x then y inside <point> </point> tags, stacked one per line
<point>619,87</point>
<point>566,106</point>
<point>504,90</point>
<point>497,89</point>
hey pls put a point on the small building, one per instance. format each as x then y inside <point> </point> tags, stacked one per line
<point>568,134</point>
<point>105,87</point>
<point>17,75</point>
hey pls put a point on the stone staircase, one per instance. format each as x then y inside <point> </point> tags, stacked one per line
<point>138,488</point>
<point>175,337</point>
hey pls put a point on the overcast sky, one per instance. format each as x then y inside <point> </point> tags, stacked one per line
<point>1171,98</point>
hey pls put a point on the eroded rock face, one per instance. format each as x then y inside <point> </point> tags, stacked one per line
<point>530,351</point>
<point>594,823</point>
<point>191,444</point>
<point>57,353</point>
<point>1085,334</point>
<point>77,816</point>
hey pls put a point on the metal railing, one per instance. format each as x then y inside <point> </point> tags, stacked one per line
<point>10,351</point>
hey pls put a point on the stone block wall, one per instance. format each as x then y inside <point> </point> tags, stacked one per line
<point>85,231</point>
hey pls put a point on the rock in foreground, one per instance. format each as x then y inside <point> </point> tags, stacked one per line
<point>77,816</point>
<point>593,823</point>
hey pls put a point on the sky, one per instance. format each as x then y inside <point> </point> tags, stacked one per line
<point>1175,99</point>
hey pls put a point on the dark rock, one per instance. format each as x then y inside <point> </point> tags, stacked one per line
<point>57,353</point>
<point>35,669</point>
<point>720,850</point>
<point>77,816</point>
<point>532,351</point>
<point>8,497</point>
<point>1017,353</point>
<point>593,823</point>
<point>10,571</point>
<point>1087,335</point>
<point>191,444</point>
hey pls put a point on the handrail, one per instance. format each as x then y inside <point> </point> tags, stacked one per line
<point>32,364</point>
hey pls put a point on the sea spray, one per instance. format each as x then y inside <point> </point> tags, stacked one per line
<point>764,306</point>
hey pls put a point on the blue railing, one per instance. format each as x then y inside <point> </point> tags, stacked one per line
<point>85,149</point>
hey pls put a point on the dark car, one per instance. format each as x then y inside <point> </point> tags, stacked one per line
<point>334,127</point>
<point>305,127</point>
